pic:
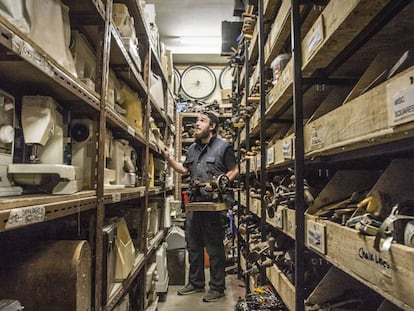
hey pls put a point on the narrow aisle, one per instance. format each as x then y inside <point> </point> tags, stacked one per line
<point>175,302</point>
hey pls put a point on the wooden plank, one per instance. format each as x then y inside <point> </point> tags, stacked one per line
<point>7,203</point>
<point>341,22</point>
<point>284,149</point>
<point>378,68</point>
<point>365,121</point>
<point>282,285</point>
<point>281,92</point>
<point>328,290</point>
<point>390,274</point>
<point>205,206</point>
<point>338,25</point>
<point>279,33</point>
<point>290,222</point>
<point>342,185</point>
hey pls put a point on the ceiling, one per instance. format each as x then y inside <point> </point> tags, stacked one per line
<point>192,28</point>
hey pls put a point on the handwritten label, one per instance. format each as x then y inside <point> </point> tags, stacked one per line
<point>376,259</point>
<point>116,197</point>
<point>25,216</point>
<point>279,219</point>
<point>315,139</point>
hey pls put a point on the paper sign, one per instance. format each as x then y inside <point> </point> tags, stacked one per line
<point>25,216</point>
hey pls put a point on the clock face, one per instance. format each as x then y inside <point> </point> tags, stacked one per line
<point>226,78</point>
<point>198,82</point>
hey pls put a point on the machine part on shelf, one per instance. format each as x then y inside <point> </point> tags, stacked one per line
<point>10,305</point>
<point>84,58</point>
<point>43,131</point>
<point>37,274</point>
<point>82,133</point>
<point>260,299</point>
<point>125,25</point>
<point>394,227</point>
<point>7,125</point>
<point>278,65</point>
<point>124,163</point>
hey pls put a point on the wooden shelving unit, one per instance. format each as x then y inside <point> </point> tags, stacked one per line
<point>27,68</point>
<point>350,121</point>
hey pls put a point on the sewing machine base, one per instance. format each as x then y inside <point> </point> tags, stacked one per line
<point>205,207</point>
<point>37,174</point>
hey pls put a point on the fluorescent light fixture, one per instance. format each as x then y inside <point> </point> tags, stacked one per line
<point>195,45</point>
<point>195,40</point>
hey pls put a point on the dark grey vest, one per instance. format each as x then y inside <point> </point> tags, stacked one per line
<point>204,162</point>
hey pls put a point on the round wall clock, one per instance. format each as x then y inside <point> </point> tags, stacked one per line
<point>198,82</point>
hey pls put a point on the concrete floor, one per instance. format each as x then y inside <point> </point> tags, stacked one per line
<point>174,302</point>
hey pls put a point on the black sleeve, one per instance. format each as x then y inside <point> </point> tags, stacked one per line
<point>229,158</point>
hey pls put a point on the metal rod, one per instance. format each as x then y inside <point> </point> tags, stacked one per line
<point>239,178</point>
<point>247,126</point>
<point>103,73</point>
<point>299,157</point>
<point>262,131</point>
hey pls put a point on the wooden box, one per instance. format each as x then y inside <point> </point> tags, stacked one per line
<point>284,149</point>
<point>52,275</point>
<point>365,121</point>
<point>205,206</point>
<point>390,273</point>
<point>284,288</point>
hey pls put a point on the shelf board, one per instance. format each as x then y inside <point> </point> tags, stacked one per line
<point>155,241</point>
<point>121,289</point>
<point>282,285</point>
<point>124,67</point>
<point>123,194</point>
<point>54,207</point>
<point>31,65</point>
<point>120,122</point>
<point>342,27</point>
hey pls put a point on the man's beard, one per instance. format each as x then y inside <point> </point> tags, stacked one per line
<point>202,134</point>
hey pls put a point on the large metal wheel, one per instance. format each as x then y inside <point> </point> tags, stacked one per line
<point>198,82</point>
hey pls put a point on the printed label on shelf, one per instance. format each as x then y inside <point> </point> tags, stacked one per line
<point>25,216</point>
<point>287,150</point>
<point>316,38</point>
<point>270,157</point>
<point>402,105</point>
<point>33,57</point>
<point>315,236</point>
<point>116,197</point>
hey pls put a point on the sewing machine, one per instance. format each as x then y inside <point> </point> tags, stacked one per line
<point>82,133</point>
<point>220,191</point>
<point>124,163</point>
<point>43,132</point>
<point>7,114</point>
